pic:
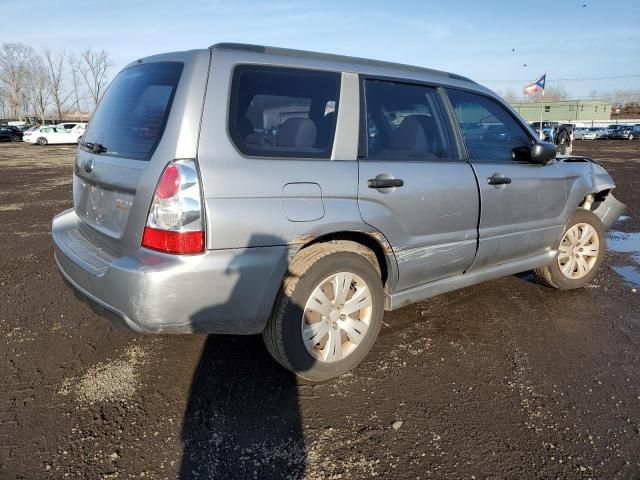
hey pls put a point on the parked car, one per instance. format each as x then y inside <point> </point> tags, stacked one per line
<point>626,132</point>
<point>69,126</point>
<point>578,133</point>
<point>10,134</point>
<point>28,132</point>
<point>548,130</point>
<point>611,129</point>
<point>54,135</point>
<point>545,124</point>
<point>191,215</point>
<point>596,133</point>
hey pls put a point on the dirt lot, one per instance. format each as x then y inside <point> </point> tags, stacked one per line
<point>508,379</point>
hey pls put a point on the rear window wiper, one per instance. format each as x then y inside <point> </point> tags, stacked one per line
<point>94,147</point>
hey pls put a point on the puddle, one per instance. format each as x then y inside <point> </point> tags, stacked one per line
<point>627,243</point>
<point>630,274</point>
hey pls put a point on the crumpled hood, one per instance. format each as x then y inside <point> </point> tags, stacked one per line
<point>576,159</point>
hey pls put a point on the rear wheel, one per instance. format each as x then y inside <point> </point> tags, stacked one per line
<point>580,253</point>
<point>41,141</point>
<point>15,138</point>
<point>329,311</point>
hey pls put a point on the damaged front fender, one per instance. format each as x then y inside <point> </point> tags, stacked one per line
<point>610,210</point>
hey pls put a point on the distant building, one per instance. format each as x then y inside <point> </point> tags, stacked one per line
<point>564,110</point>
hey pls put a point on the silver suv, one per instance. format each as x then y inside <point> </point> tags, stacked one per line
<point>243,189</point>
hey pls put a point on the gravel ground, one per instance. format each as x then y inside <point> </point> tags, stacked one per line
<point>507,379</point>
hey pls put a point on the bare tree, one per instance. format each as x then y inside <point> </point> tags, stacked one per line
<point>38,87</point>
<point>510,96</point>
<point>623,96</point>
<point>55,66</point>
<point>14,67</point>
<point>25,105</point>
<point>93,67</point>
<point>76,86</point>
<point>4,102</point>
<point>556,92</point>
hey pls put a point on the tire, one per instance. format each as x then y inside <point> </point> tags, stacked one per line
<point>553,274</point>
<point>42,141</point>
<point>310,269</point>
<point>15,138</point>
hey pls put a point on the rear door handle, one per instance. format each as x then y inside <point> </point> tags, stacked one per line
<point>385,182</point>
<point>498,179</point>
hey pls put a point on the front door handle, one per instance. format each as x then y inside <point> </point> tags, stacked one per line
<point>497,179</point>
<point>385,182</point>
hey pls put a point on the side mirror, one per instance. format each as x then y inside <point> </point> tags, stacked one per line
<point>543,152</point>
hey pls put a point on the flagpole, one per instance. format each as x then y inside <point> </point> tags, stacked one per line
<point>542,111</point>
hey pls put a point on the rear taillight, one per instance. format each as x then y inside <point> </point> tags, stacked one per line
<point>175,222</point>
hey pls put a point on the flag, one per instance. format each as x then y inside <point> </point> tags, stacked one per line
<point>534,87</point>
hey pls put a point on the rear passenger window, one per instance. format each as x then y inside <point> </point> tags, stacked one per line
<point>283,112</point>
<point>406,121</point>
<point>490,132</point>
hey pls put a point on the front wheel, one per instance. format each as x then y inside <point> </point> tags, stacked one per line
<point>15,138</point>
<point>580,253</point>
<point>329,311</point>
<point>42,141</point>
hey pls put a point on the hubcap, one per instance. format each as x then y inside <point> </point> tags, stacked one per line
<point>579,250</point>
<point>336,317</point>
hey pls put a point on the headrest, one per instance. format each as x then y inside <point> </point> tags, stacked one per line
<point>412,134</point>
<point>297,132</point>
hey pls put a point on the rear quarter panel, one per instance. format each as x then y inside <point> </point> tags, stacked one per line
<point>244,196</point>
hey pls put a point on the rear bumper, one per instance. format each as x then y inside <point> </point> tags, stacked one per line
<point>220,291</point>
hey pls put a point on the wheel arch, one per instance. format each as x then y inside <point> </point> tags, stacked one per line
<point>373,240</point>
<point>598,199</point>
<point>589,189</point>
<point>592,200</point>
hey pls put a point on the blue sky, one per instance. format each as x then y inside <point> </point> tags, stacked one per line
<point>488,41</point>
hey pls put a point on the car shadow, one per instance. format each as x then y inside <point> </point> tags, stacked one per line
<point>242,418</point>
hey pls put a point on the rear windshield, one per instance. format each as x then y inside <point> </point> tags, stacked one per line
<point>130,119</point>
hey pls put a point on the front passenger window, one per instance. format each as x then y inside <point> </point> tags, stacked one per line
<point>490,132</point>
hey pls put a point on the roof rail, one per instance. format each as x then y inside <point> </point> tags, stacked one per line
<point>245,47</point>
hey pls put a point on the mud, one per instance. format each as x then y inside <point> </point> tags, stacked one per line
<point>507,379</point>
